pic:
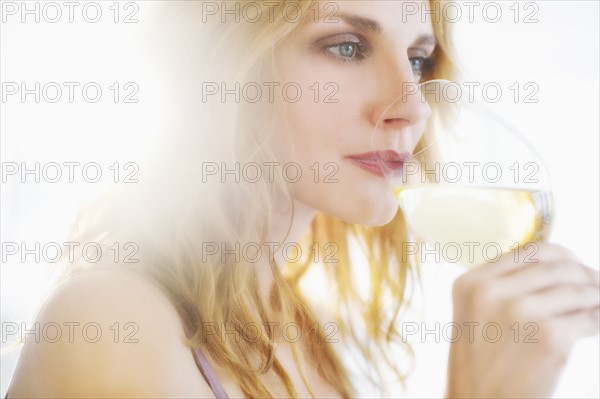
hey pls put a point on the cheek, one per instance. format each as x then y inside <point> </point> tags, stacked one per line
<point>321,132</point>
<point>317,132</point>
<point>316,138</point>
<point>328,119</point>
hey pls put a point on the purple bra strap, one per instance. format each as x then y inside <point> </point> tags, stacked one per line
<point>207,371</point>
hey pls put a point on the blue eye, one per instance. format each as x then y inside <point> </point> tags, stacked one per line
<point>347,51</point>
<point>420,65</point>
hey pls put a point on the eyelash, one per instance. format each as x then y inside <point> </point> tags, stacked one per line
<point>362,50</point>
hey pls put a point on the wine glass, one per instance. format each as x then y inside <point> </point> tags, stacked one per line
<point>474,187</point>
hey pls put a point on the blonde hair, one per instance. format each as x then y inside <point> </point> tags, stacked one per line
<point>171,222</point>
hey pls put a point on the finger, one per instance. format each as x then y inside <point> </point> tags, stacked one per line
<point>529,254</point>
<point>580,324</point>
<point>557,302</point>
<point>536,277</point>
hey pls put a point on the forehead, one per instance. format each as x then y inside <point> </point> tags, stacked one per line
<point>389,16</point>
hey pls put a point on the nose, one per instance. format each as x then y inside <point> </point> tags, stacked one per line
<point>399,106</point>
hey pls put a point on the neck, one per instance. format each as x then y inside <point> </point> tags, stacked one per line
<point>297,225</point>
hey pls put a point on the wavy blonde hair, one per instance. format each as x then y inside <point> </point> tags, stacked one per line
<point>171,221</point>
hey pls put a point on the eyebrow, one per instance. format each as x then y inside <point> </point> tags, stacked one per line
<point>360,23</point>
<point>370,25</point>
<point>426,40</point>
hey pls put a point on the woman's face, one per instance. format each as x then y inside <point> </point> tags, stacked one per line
<point>351,65</point>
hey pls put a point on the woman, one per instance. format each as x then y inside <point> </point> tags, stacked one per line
<point>240,178</point>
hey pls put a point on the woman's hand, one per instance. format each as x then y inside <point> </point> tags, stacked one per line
<point>524,318</point>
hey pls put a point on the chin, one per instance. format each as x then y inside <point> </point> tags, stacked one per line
<point>379,214</point>
<point>376,204</point>
<point>364,200</point>
<point>371,208</point>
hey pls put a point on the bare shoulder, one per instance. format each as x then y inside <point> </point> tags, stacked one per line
<point>107,333</point>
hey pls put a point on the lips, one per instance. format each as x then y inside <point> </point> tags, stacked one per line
<point>381,163</point>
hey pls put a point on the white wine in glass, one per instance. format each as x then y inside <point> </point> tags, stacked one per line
<point>473,225</point>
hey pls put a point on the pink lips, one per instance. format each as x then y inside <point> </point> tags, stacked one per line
<point>381,163</point>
